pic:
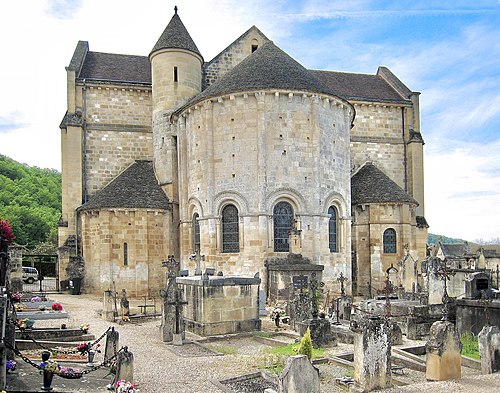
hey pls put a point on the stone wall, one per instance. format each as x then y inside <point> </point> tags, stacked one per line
<point>104,234</point>
<point>118,132</point>
<point>220,305</point>
<point>253,150</point>
<point>472,315</point>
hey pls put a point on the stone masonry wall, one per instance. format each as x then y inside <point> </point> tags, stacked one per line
<point>118,132</point>
<point>103,236</point>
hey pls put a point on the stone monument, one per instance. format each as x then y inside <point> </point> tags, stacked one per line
<point>299,376</point>
<point>489,348</point>
<point>443,352</point>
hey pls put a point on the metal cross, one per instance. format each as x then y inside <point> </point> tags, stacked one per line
<point>445,274</point>
<point>178,303</point>
<point>342,279</point>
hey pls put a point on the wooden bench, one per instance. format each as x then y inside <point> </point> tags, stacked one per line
<point>144,307</point>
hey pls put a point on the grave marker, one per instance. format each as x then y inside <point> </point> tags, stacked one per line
<point>443,349</point>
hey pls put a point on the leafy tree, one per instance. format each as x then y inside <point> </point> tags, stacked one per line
<point>30,198</point>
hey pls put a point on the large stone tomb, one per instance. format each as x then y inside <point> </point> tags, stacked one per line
<point>220,305</point>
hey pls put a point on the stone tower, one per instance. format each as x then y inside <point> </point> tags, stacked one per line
<point>176,76</point>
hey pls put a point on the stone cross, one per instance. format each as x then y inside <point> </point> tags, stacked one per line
<point>172,265</point>
<point>197,257</point>
<point>342,279</point>
<point>445,274</point>
<point>178,303</point>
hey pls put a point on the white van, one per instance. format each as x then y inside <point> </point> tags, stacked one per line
<point>30,274</point>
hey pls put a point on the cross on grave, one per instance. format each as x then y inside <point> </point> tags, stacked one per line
<point>172,265</point>
<point>445,274</point>
<point>387,291</point>
<point>178,303</point>
<point>197,258</point>
<point>342,279</point>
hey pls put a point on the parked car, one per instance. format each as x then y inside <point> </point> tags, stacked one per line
<point>30,274</point>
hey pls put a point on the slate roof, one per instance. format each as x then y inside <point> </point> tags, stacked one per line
<point>116,68</point>
<point>176,36</point>
<point>135,188</point>
<point>358,86</point>
<point>371,185</point>
<point>267,68</point>
<point>454,250</point>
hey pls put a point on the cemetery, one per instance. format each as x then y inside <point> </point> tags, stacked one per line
<point>212,332</point>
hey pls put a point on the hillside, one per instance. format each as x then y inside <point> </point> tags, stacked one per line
<point>30,198</point>
<point>434,239</point>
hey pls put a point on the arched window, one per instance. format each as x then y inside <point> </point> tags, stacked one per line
<point>390,241</point>
<point>196,232</point>
<point>230,229</point>
<point>125,254</point>
<point>332,229</point>
<point>283,224</point>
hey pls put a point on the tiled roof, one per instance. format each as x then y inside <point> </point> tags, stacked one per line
<point>371,185</point>
<point>135,188</point>
<point>117,68</point>
<point>358,86</point>
<point>176,36</point>
<point>451,250</point>
<point>267,68</point>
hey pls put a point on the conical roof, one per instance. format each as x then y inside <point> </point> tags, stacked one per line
<point>371,185</point>
<point>176,36</point>
<point>135,188</point>
<point>268,67</point>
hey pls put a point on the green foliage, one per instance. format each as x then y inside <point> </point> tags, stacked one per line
<point>434,239</point>
<point>306,346</point>
<point>30,198</point>
<point>470,345</point>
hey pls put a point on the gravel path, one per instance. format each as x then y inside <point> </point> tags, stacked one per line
<point>158,369</point>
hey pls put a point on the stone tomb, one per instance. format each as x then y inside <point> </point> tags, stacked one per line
<point>220,305</point>
<point>477,285</point>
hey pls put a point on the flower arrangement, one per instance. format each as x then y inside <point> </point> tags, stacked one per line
<point>6,231</point>
<point>70,373</point>
<point>36,299</point>
<point>123,386</point>
<point>16,297</point>
<point>11,365</point>
<point>25,323</point>
<point>19,306</point>
<point>57,307</point>
<point>85,327</point>
<point>277,312</point>
<point>84,348</point>
<point>50,366</point>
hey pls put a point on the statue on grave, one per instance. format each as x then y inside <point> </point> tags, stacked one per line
<point>124,304</point>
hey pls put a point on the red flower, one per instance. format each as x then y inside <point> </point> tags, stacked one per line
<point>57,307</point>
<point>6,231</point>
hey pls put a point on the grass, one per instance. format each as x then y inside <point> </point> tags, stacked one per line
<point>470,346</point>
<point>262,334</point>
<point>225,350</point>
<point>275,358</point>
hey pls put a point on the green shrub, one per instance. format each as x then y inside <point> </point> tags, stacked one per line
<point>470,345</point>
<point>306,346</point>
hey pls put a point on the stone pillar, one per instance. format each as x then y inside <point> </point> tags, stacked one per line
<point>299,376</point>
<point>489,348</point>
<point>108,302</point>
<point>16,271</point>
<point>443,349</point>
<point>124,366</point>
<point>112,343</point>
<point>372,354</point>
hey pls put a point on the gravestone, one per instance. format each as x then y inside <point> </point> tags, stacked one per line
<point>108,302</point>
<point>489,348</point>
<point>299,376</point>
<point>372,354</point>
<point>178,334</point>
<point>112,343</point>
<point>443,352</point>
<point>299,309</point>
<point>124,305</point>
<point>124,366</point>
<point>477,285</point>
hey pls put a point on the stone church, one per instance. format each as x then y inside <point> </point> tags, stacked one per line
<point>245,157</point>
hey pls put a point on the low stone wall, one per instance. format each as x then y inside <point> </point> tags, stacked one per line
<point>220,305</point>
<point>471,315</point>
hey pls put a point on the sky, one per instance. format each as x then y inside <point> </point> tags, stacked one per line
<point>447,50</point>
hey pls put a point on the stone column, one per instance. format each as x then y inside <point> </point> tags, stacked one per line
<point>443,349</point>
<point>489,348</point>
<point>108,303</point>
<point>372,354</point>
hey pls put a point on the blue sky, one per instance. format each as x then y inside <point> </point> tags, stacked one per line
<point>447,50</point>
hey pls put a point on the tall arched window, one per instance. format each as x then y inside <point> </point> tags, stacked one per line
<point>390,241</point>
<point>125,254</point>
<point>196,232</point>
<point>332,229</point>
<point>230,229</point>
<point>283,224</point>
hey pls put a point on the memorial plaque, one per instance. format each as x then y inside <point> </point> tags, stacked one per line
<point>299,282</point>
